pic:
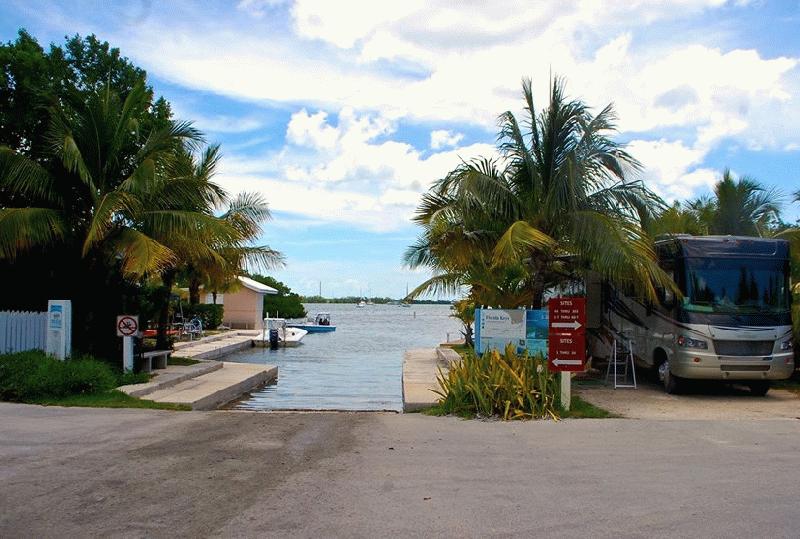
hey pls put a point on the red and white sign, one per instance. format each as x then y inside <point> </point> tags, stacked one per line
<point>566,339</point>
<point>127,325</point>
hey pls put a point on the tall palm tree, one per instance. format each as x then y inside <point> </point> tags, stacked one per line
<point>115,197</point>
<point>743,207</point>
<point>208,244</point>
<point>559,201</point>
<point>96,194</point>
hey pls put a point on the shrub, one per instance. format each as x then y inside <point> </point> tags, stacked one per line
<point>30,376</point>
<point>510,385</point>
<point>210,314</point>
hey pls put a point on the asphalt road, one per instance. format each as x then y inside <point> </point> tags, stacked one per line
<point>92,472</point>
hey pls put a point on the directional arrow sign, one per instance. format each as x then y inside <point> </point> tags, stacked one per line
<point>566,343</point>
<point>573,325</point>
<point>558,362</point>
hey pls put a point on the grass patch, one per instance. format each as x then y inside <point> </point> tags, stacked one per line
<point>437,410</point>
<point>579,408</point>
<point>181,361</point>
<point>109,399</point>
<point>128,378</point>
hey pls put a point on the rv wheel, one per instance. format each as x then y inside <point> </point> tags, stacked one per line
<point>672,384</point>
<point>759,389</point>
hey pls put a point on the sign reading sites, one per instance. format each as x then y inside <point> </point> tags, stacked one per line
<point>566,350</point>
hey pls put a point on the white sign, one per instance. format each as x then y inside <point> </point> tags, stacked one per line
<point>498,328</point>
<point>127,325</point>
<point>58,342</point>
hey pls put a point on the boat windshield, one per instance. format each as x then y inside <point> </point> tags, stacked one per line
<point>726,285</point>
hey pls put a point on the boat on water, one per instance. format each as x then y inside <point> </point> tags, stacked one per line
<point>287,336</point>
<point>321,323</point>
<point>361,304</point>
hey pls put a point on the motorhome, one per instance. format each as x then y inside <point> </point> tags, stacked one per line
<point>731,321</point>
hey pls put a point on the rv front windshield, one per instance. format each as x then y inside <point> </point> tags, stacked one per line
<point>728,285</point>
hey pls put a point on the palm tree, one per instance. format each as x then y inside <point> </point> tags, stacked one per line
<point>113,196</point>
<point>96,194</point>
<point>743,207</point>
<point>558,202</point>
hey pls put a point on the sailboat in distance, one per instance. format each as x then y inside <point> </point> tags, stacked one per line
<point>405,303</point>
<point>362,303</point>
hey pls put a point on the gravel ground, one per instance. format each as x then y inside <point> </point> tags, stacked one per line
<point>142,473</point>
<point>702,401</point>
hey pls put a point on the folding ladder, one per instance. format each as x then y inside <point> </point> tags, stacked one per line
<point>621,362</point>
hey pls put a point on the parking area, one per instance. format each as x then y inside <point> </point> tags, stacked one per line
<point>701,401</point>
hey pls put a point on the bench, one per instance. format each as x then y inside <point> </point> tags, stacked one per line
<point>156,359</point>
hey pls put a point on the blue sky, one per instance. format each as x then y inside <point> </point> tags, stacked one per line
<point>343,113</point>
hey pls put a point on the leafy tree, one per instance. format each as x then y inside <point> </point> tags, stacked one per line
<point>285,303</point>
<point>464,310</point>
<point>743,207</point>
<point>560,201</point>
<point>739,206</point>
<point>33,80</point>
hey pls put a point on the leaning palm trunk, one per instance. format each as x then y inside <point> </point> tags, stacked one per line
<point>162,338</point>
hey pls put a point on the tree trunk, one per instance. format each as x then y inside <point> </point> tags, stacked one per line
<point>468,335</point>
<point>538,291</point>
<point>214,296</point>
<point>194,291</point>
<point>162,340</point>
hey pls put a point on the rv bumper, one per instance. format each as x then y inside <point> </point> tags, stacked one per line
<point>709,366</point>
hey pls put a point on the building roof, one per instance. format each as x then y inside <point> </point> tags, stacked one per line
<point>255,286</point>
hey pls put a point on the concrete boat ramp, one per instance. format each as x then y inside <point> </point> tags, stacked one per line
<point>216,346</point>
<point>209,384</point>
<point>420,369</point>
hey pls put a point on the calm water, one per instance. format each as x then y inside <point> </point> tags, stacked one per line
<point>358,366</point>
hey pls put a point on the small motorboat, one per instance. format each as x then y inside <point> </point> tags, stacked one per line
<point>361,304</point>
<point>287,336</point>
<point>321,323</point>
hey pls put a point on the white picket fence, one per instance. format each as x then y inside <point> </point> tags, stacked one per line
<point>20,331</point>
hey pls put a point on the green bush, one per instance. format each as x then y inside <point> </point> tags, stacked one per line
<point>288,306</point>
<point>209,313</point>
<point>510,385</point>
<point>30,376</point>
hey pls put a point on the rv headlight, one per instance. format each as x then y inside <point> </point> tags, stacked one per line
<point>688,342</point>
<point>787,345</point>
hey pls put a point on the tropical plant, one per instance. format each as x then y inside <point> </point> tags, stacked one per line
<point>464,310</point>
<point>510,385</point>
<point>743,207</point>
<point>560,200</point>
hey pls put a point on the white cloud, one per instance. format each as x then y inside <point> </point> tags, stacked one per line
<point>442,138</point>
<point>344,172</point>
<point>464,64</point>
<point>672,169</point>
<point>371,64</point>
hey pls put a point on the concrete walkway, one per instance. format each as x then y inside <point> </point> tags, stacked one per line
<point>420,369</point>
<point>171,376</point>
<point>216,346</point>
<point>221,386</point>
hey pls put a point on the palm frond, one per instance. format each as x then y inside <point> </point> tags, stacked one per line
<point>22,229</point>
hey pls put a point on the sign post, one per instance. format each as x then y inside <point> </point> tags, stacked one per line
<point>58,339</point>
<point>127,328</point>
<point>566,350</point>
